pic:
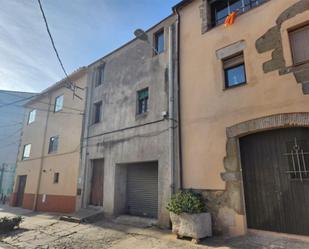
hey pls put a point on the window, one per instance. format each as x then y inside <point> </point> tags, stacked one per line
<point>297,156</point>
<point>56,177</point>
<point>31,117</point>
<point>221,9</point>
<point>97,112</point>
<point>100,76</point>
<point>26,152</point>
<point>234,70</point>
<point>299,39</point>
<point>142,101</point>
<point>159,41</point>
<point>58,103</point>
<point>53,144</point>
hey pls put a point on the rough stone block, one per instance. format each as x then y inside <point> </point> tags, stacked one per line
<point>196,226</point>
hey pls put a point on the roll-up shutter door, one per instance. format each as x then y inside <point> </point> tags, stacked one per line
<point>142,189</point>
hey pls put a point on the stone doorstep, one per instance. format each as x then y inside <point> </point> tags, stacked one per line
<point>278,235</point>
<point>135,221</point>
<point>87,215</point>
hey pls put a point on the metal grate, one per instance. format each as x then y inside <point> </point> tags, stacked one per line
<point>298,160</point>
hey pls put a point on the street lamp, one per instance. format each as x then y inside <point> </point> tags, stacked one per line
<point>142,35</point>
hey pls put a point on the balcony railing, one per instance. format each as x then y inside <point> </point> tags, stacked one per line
<point>220,9</point>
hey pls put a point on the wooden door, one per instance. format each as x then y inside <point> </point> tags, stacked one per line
<point>21,190</point>
<point>96,196</point>
<point>275,166</point>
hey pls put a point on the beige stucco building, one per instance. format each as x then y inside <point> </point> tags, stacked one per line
<point>49,153</point>
<point>239,86</point>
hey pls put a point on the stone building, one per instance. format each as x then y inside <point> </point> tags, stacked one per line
<point>11,119</point>
<point>49,153</point>
<point>244,111</point>
<point>128,156</point>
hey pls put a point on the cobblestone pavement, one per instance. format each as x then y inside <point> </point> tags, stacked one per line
<point>44,231</point>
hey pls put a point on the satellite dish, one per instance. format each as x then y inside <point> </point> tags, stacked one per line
<point>141,34</point>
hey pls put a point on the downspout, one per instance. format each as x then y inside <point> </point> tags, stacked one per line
<point>178,100</point>
<point>171,107</point>
<point>42,157</point>
<point>79,204</point>
<point>87,113</point>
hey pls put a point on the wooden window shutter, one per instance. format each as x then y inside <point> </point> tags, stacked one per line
<point>300,44</point>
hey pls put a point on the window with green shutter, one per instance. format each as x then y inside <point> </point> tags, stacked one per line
<point>142,101</point>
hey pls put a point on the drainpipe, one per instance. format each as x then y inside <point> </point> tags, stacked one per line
<point>42,157</point>
<point>177,38</point>
<point>87,117</point>
<point>171,107</point>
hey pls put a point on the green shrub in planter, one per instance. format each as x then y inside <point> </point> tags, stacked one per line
<point>8,224</point>
<point>186,202</point>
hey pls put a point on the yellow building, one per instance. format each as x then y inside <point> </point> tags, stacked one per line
<point>240,86</point>
<point>49,153</point>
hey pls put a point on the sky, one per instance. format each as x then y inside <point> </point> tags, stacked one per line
<point>83,31</point>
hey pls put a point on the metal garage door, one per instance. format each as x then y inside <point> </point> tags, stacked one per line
<point>142,189</point>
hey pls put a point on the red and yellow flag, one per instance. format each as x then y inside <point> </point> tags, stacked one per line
<point>230,19</point>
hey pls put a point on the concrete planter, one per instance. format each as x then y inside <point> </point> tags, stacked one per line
<point>196,226</point>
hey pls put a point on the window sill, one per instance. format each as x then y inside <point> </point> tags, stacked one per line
<point>235,86</point>
<point>141,116</point>
<point>154,55</point>
<point>52,153</point>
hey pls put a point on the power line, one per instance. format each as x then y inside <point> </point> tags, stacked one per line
<point>17,101</point>
<point>65,107</point>
<point>13,143</point>
<point>71,85</point>
<point>51,38</point>
<point>11,134</point>
<point>12,124</point>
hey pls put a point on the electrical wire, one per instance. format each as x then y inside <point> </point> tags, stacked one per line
<point>17,101</point>
<point>12,124</point>
<point>13,143</point>
<point>71,85</point>
<point>51,38</point>
<point>11,134</point>
<point>65,107</point>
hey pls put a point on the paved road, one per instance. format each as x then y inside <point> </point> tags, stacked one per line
<point>44,231</point>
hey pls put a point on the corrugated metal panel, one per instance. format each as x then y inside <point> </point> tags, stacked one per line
<point>142,189</point>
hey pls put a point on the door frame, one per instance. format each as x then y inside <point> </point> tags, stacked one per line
<point>91,178</point>
<point>17,190</point>
<point>232,162</point>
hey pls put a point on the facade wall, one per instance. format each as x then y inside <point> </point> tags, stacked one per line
<point>67,124</point>
<point>122,137</point>
<point>11,118</point>
<point>207,109</point>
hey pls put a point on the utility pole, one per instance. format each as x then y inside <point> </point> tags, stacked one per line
<point>1,176</point>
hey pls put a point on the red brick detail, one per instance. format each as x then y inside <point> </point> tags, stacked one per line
<point>57,203</point>
<point>13,199</point>
<point>28,201</point>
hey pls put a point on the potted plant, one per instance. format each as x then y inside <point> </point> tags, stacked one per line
<point>189,217</point>
<point>8,224</point>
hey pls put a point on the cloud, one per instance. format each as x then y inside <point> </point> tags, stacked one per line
<point>83,31</point>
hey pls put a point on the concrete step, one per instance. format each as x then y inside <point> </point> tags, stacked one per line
<point>84,215</point>
<point>135,221</point>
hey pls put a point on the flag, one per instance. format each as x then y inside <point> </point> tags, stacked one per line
<point>230,19</point>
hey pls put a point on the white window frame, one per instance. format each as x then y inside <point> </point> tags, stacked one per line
<point>59,106</point>
<point>26,152</point>
<point>31,116</point>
